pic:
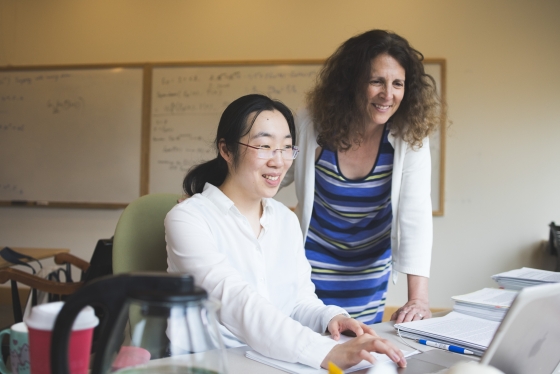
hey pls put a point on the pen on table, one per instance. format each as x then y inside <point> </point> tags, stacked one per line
<point>452,348</point>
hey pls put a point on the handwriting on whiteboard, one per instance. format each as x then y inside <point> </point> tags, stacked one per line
<point>64,105</point>
<point>25,80</point>
<point>187,103</point>
<point>11,188</point>
<point>12,127</point>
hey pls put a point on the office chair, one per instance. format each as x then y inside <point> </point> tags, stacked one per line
<point>139,245</point>
<point>139,242</point>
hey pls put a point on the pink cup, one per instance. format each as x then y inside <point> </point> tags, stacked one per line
<point>40,323</point>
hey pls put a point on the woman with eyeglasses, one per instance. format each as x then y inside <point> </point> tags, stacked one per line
<point>246,249</point>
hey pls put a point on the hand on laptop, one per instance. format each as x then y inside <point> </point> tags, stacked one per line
<point>352,352</point>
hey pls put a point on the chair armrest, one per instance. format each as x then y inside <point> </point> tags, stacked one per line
<point>38,283</point>
<point>67,258</point>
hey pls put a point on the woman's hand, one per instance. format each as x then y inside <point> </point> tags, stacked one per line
<point>342,323</point>
<point>354,351</point>
<point>413,310</point>
<point>418,306</point>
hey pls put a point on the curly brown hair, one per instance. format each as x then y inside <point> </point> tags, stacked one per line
<point>338,102</point>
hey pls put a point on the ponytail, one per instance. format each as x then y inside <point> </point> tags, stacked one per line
<point>213,172</point>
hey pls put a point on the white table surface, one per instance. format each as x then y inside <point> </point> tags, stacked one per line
<point>239,364</point>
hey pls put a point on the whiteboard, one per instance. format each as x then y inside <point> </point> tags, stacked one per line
<point>187,102</point>
<point>70,136</point>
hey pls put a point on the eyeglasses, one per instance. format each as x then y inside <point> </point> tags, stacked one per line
<point>266,153</point>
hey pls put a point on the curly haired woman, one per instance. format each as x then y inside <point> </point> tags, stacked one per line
<point>363,176</point>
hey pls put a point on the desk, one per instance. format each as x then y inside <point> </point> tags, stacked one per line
<point>37,253</point>
<point>239,364</point>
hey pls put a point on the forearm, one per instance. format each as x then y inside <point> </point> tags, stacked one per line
<point>418,305</point>
<point>417,288</point>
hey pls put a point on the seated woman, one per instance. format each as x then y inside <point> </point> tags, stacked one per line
<point>245,249</point>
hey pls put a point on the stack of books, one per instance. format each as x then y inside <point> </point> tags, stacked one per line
<point>488,303</point>
<point>525,277</point>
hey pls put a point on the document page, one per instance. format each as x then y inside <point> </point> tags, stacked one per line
<point>489,296</point>
<point>532,274</point>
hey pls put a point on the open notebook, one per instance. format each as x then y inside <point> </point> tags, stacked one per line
<point>296,368</point>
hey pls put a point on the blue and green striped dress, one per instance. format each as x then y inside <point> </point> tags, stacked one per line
<point>349,240</point>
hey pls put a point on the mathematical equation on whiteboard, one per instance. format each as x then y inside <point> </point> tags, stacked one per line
<point>11,188</point>
<point>27,79</point>
<point>187,103</point>
<point>17,89</point>
<point>212,92</point>
<point>178,149</point>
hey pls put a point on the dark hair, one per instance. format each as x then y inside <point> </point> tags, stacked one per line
<point>338,101</point>
<point>234,124</point>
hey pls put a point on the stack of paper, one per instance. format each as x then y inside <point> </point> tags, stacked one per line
<point>296,368</point>
<point>525,277</point>
<point>455,328</point>
<point>488,303</point>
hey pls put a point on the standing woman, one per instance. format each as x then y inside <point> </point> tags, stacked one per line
<point>363,176</point>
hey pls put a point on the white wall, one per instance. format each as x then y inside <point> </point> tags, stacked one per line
<point>502,162</point>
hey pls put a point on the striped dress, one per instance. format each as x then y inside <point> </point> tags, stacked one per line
<point>349,240</point>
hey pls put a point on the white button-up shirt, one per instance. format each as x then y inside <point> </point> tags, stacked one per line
<point>264,285</point>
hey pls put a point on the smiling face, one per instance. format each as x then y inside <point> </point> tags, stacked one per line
<point>253,177</point>
<point>385,90</point>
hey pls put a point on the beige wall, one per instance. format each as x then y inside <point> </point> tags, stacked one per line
<point>502,167</point>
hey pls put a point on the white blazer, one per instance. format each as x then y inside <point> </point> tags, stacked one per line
<point>411,235</point>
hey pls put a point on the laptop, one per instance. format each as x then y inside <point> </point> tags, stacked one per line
<point>527,341</point>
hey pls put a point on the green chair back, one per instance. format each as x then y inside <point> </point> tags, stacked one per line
<point>139,242</point>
